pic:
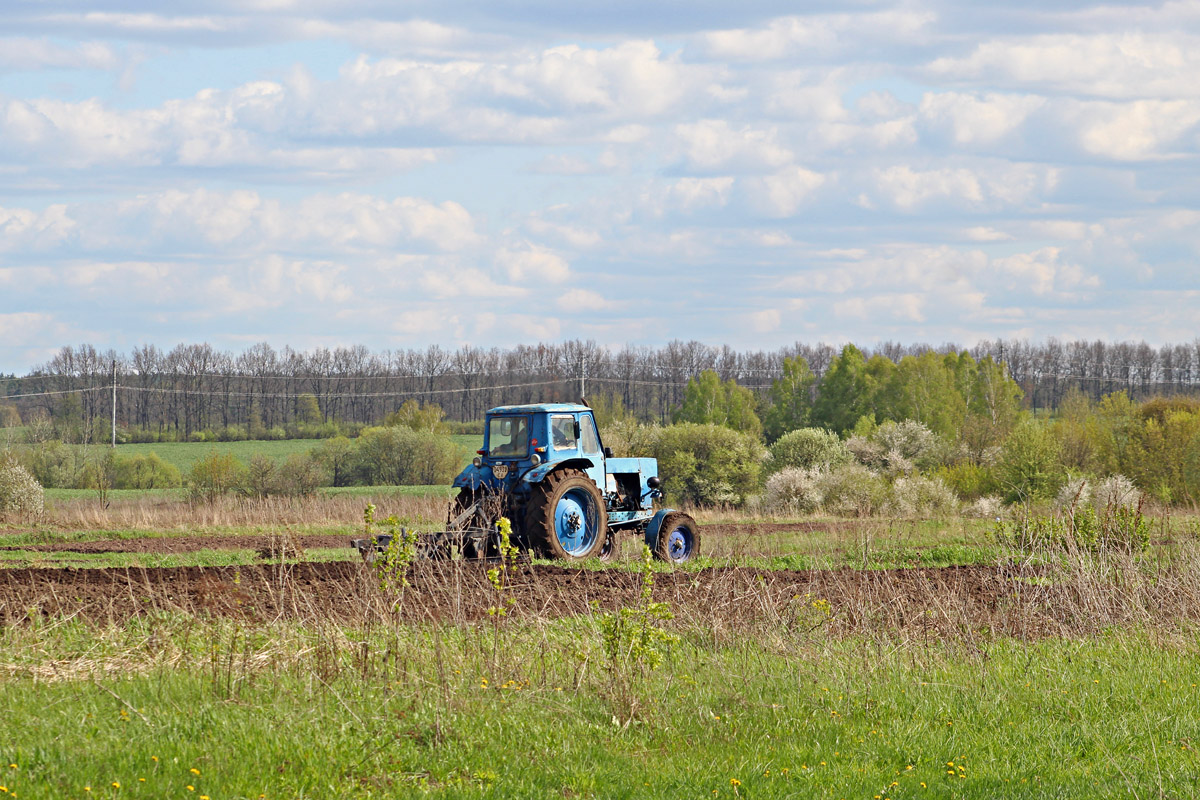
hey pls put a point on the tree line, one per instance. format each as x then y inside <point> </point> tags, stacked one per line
<point>196,387</point>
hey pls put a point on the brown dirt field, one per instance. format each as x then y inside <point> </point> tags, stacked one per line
<point>186,544</point>
<point>952,601</point>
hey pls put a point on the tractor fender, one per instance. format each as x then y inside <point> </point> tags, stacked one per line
<point>473,478</point>
<point>538,473</point>
<point>655,525</point>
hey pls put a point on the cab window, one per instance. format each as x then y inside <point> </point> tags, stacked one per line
<point>508,437</point>
<point>562,430</point>
<point>591,440</point>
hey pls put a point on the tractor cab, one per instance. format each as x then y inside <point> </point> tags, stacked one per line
<point>523,443</point>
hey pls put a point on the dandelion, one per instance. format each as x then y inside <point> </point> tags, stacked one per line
<point>154,758</point>
<point>194,771</point>
<point>87,788</point>
<point>923,785</point>
<point>734,782</point>
<point>116,784</point>
<point>191,788</point>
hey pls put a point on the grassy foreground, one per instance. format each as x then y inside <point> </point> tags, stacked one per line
<point>176,707</point>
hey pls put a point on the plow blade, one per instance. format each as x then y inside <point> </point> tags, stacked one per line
<point>470,542</point>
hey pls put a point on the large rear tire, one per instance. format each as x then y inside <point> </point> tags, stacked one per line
<point>678,538</point>
<point>566,518</point>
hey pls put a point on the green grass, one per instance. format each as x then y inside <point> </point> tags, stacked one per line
<point>184,454</point>
<point>286,711</point>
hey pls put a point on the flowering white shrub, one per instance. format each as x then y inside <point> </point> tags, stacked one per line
<point>1116,491</point>
<point>852,490</point>
<point>1075,493</point>
<point>918,496</point>
<point>794,490</point>
<point>20,494</point>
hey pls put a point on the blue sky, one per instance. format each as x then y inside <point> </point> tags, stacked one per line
<point>312,173</point>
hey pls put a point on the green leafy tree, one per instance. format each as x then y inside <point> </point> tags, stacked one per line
<point>214,475</point>
<point>708,464</point>
<point>308,410</point>
<point>1029,467</point>
<point>398,456</point>
<point>925,388</point>
<point>789,400</point>
<point>848,389</point>
<point>337,455</point>
<point>709,400</point>
<point>808,448</point>
<point>414,416</point>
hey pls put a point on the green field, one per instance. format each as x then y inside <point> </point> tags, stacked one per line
<point>184,454</point>
<point>174,707</point>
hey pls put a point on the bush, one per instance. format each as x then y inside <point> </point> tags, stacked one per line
<point>707,464</point>
<point>794,490</point>
<point>1084,528</point>
<point>1116,491</point>
<point>145,472</point>
<point>20,494</point>
<point>987,507</point>
<point>969,481</point>
<point>400,456</point>
<point>1075,492</point>
<point>53,464</point>
<point>852,490</point>
<point>918,496</point>
<point>300,475</point>
<point>628,438</point>
<point>214,475</point>
<point>898,447</point>
<point>808,448</point>
<point>1028,468</point>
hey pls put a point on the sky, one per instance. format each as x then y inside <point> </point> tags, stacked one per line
<point>398,174</point>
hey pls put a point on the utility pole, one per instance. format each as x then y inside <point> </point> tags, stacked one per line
<point>582,378</point>
<point>114,404</point>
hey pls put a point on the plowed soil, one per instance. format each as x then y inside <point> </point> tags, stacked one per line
<point>937,600</point>
<point>185,544</point>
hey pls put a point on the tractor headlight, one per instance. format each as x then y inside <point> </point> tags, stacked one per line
<point>477,462</point>
<point>536,459</point>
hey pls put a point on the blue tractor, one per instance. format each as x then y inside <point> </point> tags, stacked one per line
<point>544,467</point>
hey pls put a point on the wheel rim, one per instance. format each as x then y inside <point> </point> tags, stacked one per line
<point>575,522</point>
<point>679,543</point>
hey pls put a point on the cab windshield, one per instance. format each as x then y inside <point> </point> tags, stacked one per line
<point>508,437</point>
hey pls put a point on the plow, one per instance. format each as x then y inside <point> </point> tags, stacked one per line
<point>545,469</point>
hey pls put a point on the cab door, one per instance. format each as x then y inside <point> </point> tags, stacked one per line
<point>589,447</point>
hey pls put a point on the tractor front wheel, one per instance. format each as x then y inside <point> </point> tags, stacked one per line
<point>566,516</point>
<point>678,538</point>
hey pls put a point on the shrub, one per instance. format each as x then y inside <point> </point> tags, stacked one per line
<point>986,507</point>
<point>400,456</point>
<point>53,464</point>
<point>214,475</point>
<point>897,447</point>
<point>794,490</point>
<point>1073,493</point>
<point>852,490</point>
<point>145,472</point>
<point>337,456</point>
<point>1116,491</point>
<point>918,496</point>
<point>20,493</point>
<point>300,475</point>
<point>258,477</point>
<point>629,438</point>
<point>808,448</point>
<point>707,464</point>
<point>1028,467</point>
<point>969,481</point>
<point>1084,528</point>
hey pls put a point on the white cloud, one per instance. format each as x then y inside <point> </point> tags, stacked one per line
<point>1043,272</point>
<point>1119,65</point>
<point>805,36</point>
<point>715,145</point>
<point>785,192</point>
<point>33,54</point>
<point>978,120</point>
<point>533,263</point>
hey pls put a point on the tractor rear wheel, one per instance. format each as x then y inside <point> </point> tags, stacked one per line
<point>566,518</point>
<point>678,538</point>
